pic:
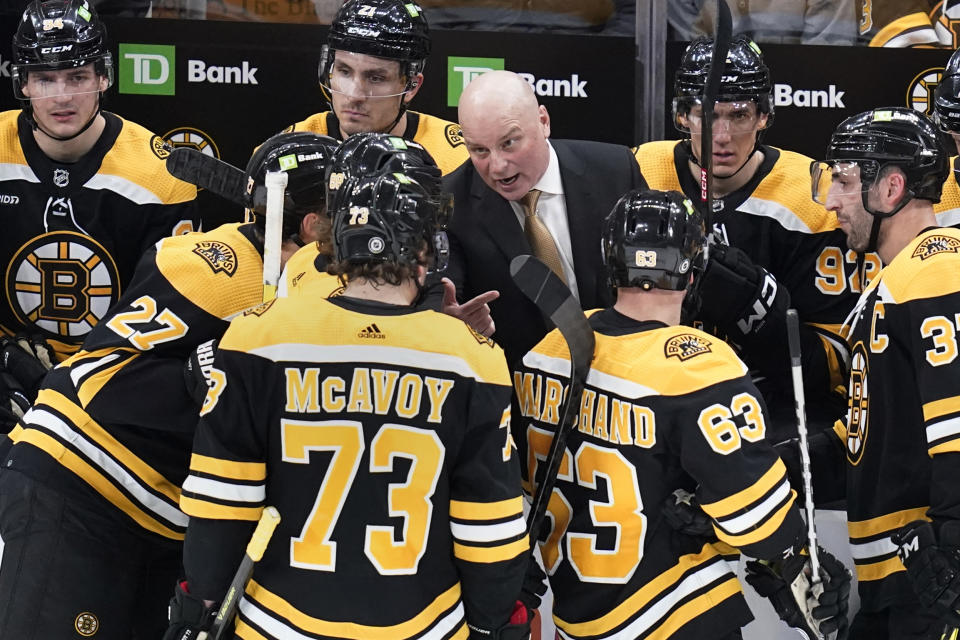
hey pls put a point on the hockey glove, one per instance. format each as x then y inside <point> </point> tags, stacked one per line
<point>196,371</point>
<point>27,358</point>
<point>933,569</point>
<point>683,513</point>
<point>740,298</point>
<point>13,402</point>
<point>786,583</point>
<point>189,617</point>
<point>517,628</point>
<point>534,585</point>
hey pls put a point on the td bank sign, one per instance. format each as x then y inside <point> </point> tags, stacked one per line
<point>151,69</point>
<point>461,71</point>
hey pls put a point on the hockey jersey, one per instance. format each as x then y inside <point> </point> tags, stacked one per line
<point>896,23</point>
<point>381,434</point>
<point>117,414</point>
<point>442,139</point>
<point>776,223</point>
<point>663,408</point>
<point>73,233</point>
<point>948,209</point>
<point>305,272</point>
<point>902,433</point>
<point>945,17</point>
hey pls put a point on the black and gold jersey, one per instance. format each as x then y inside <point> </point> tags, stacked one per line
<point>117,414</point>
<point>441,138</point>
<point>303,274</point>
<point>948,209</point>
<point>381,434</point>
<point>663,408</point>
<point>945,17</point>
<point>774,220</point>
<point>75,232</point>
<point>902,432</point>
<point>896,23</point>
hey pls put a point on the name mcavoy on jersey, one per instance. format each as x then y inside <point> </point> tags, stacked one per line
<point>604,417</point>
<point>368,391</point>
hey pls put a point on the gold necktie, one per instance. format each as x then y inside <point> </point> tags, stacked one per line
<point>540,239</point>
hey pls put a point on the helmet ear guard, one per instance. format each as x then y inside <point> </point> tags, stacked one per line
<point>946,97</point>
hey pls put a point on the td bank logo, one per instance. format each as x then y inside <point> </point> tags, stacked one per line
<point>461,71</point>
<point>148,69</point>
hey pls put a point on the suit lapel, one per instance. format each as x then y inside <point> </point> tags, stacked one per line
<point>582,220</point>
<point>498,220</point>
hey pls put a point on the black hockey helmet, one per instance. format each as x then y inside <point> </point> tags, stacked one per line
<point>391,29</point>
<point>652,239</point>
<point>946,97</point>
<point>59,34</point>
<point>304,156</point>
<point>892,136</point>
<point>745,77</point>
<point>389,218</point>
<point>367,154</point>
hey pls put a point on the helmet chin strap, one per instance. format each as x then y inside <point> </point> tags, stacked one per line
<point>36,125</point>
<point>878,217</point>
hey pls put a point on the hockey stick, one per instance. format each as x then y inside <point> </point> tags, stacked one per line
<point>269,520</point>
<point>216,176</point>
<point>796,369</point>
<point>276,182</point>
<point>552,296</point>
<point>721,45</point>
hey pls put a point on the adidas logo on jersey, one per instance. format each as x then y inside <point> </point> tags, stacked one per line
<point>372,332</point>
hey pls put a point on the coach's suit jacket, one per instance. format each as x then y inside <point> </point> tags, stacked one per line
<point>485,236</point>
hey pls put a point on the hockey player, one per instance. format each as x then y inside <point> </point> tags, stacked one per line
<point>363,155</point>
<point>413,527</point>
<point>885,169</point>
<point>86,192</point>
<point>777,248</point>
<point>665,407</point>
<point>99,459</point>
<point>370,70</point>
<point>946,115</point>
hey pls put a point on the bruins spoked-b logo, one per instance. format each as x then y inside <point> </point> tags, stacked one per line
<point>858,414</point>
<point>193,138</point>
<point>686,346</point>
<point>63,283</point>
<point>935,244</point>
<point>86,624</point>
<point>219,255</point>
<point>920,91</point>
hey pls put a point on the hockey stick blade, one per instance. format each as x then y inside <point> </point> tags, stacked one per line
<point>552,296</point>
<point>214,175</point>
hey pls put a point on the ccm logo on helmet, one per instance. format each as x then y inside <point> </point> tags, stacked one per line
<point>60,49</point>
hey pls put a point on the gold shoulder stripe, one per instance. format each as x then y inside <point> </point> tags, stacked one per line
<point>486,510</point>
<point>10,150</point>
<point>219,270</point>
<point>929,267</point>
<point>233,469</point>
<point>317,123</point>
<point>135,158</point>
<point>656,164</point>
<point>439,137</point>
<point>787,187</point>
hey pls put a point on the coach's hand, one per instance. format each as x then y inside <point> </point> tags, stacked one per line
<point>475,312</point>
